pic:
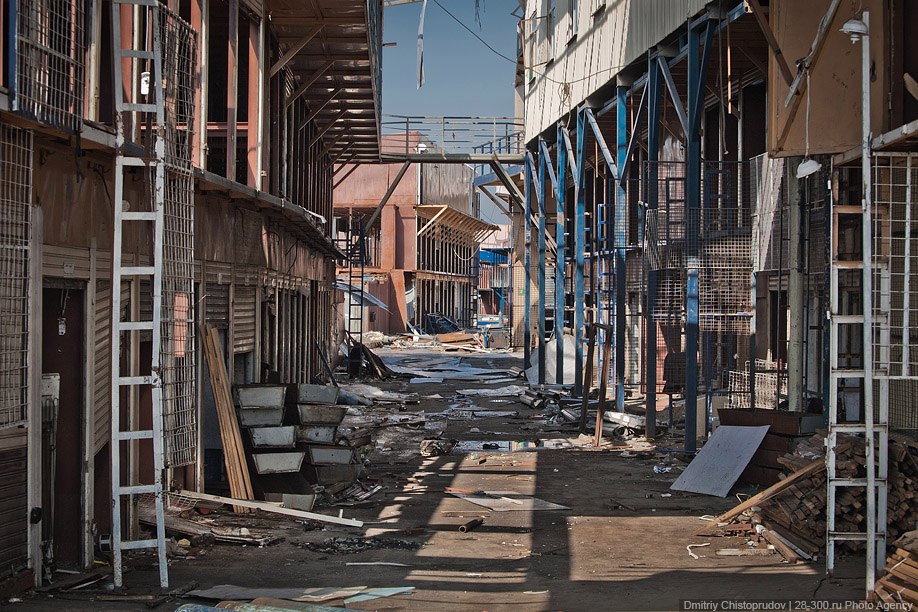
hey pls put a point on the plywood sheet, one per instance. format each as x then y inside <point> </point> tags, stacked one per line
<point>720,462</point>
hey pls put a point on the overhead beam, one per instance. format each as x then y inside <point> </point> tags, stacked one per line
<point>496,200</point>
<point>386,196</point>
<point>624,163</point>
<point>769,34</point>
<point>294,49</point>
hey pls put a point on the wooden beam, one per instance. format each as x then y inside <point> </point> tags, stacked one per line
<point>254,87</point>
<point>273,509</point>
<point>308,82</point>
<point>760,16</point>
<point>294,49</point>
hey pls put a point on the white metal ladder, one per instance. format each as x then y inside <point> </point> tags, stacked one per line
<point>873,426</point>
<point>151,222</point>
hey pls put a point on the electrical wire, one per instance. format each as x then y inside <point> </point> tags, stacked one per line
<point>513,61</point>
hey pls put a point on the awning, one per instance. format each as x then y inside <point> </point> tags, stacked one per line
<point>363,297</point>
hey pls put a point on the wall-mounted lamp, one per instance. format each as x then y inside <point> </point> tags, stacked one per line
<point>855,29</point>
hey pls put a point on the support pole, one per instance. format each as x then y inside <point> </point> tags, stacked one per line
<point>559,257</point>
<point>795,303</point>
<point>620,244</point>
<point>579,245</point>
<point>652,194</point>
<point>540,198</point>
<point>697,71</point>
<point>527,272</point>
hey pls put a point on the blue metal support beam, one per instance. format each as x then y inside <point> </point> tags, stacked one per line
<point>652,195</point>
<point>540,198</point>
<point>601,142</point>
<point>559,253</point>
<point>527,266</point>
<point>579,249</point>
<point>699,42</point>
<point>620,244</point>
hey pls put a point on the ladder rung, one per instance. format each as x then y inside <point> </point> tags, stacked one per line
<point>135,544</point>
<point>138,216</point>
<point>853,536</point>
<point>138,489</point>
<point>143,434</point>
<point>847,319</point>
<point>137,53</point>
<point>854,427</point>
<point>138,107</point>
<point>137,271</point>
<point>848,265</point>
<point>135,380</point>
<point>130,160</point>
<point>135,326</point>
<point>840,373</point>
<point>854,482</point>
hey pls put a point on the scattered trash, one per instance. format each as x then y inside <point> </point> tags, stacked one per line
<point>349,546</point>
<point>432,379</point>
<point>432,447</point>
<point>662,469</point>
<point>379,592</point>
<point>691,546</point>
<point>319,594</point>
<point>505,501</point>
<point>471,525</point>
<point>388,563</point>
<point>744,552</point>
<point>501,391</point>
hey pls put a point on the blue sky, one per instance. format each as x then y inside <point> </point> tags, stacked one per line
<point>462,77</point>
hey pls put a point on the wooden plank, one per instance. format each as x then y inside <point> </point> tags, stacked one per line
<point>771,491</point>
<point>268,507</point>
<point>237,469</point>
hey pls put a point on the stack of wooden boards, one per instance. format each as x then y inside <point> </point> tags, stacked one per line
<point>291,434</point>
<point>469,341</point>
<point>899,583</point>
<point>785,430</point>
<point>795,507</point>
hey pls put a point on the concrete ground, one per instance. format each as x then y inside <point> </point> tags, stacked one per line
<point>620,546</point>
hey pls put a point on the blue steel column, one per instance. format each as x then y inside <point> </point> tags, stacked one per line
<point>652,194</point>
<point>579,245</point>
<point>559,257</point>
<point>540,199</point>
<point>527,301</point>
<point>697,72</point>
<point>620,242</point>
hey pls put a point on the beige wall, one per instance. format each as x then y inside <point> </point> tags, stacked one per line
<point>604,44</point>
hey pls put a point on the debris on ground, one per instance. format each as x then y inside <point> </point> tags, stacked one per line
<point>432,447</point>
<point>349,546</point>
<point>899,583</point>
<point>792,512</point>
<point>505,501</point>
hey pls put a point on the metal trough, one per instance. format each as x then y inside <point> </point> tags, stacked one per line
<point>322,434</point>
<point>260,396</point>
<point>322,413</point>
<point>273,437</point>
<point>316,394</point>
<point>278,463</point>
<point>330,455</point>
<point>250,416</point>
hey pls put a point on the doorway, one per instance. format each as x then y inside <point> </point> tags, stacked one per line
<point>63,353</point>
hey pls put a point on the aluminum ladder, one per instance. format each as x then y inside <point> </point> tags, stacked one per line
<point>147,118</point>
<point>356,262</point>
<point>873,427</point>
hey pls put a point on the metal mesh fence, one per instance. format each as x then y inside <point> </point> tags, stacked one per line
<point>177,354</point>
<point>15,218</point>
<point>48,83</point>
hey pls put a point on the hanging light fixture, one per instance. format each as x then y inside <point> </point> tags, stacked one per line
<point>808,166</point>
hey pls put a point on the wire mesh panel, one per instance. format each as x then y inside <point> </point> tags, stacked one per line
<point>48,84</point>
<point>177,355</point>
<point>895,252</point>
<point>15,218</point>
